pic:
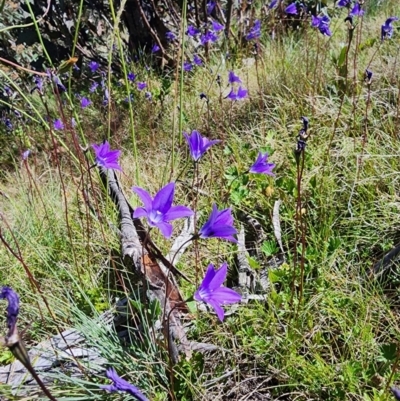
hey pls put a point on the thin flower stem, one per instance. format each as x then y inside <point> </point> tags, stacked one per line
<point>365,134</point>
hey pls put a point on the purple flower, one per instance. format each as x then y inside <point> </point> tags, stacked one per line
<point>25,154</point>
<point>73,122</point>
<point>210,36</point>
<point>357,10</point>
<point>387,28</point>
<point>219,225</point>
<point>12,308</point>
<point>58,125</point>
<point>58,82</point>
<point>396,392</point>
<point>291,9</point>
<point>39,84</point>
<point>261,166</point>
<point>240,95</point>
<point>120,384</point>
<point>216,26</point>
<point>159,211</point>
<point>232,78</point>
<point>322,23</point>
<point>255,31</point>
<point>344,3</point>
<point>212,292</point>
<point>368,75</point>
<point>105,157</point>
<point>85,102</point>
<point>94,66</point>
<point>187,66</point>
<point>131,76</point>
<point>148,96</point>
<point>141,85</point>
<point>93,87</point>
<point>8,124</point>
<point>192,31</point>
<point>170,36</point>
<point>197,60</point>
<point>273,4</point>
<point>198,145</point>
<point>210,7</point>
<point>155,48</point>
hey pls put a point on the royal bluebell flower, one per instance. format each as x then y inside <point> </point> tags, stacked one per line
<point>141,85</point>
<point>187,66</point>
<point>8,124</point>
<point>387,28</point>
<point>255,31</point>
<point>58,125</point>
<point>210,36</point>
<point>131,76</point>
<point>120,384</point>
<point>148,96</point>
<point>291,9</point>
<point>192,31</point>
<point>357,10</point>
<point>197,60</point>
<point>216,26</point>
<point>203,96</point>
<point>198,145</point>
<point>25,154</point>
<point>239,95</point>
<point>213,293</point>
<point>232,95</point>
<point>170,36</point>
<point>210,7</point>
<point>85,102</point>
<point>344,3</point>
<point>273,4</point>
<point>155,48</point>
<point>93,87</point>
<point>159,211</point>
<point>261,166</point>
<point>219,225</point>
<point>105,157</point>
<point>39,84</point>
<point>58,82</point>
<point>322,23</point>
<point>94,66</point>
<point>232,78</point>
<point>12,308</point>
<point>396,392</point>
<point>368,75</point>
<point>8,91</point>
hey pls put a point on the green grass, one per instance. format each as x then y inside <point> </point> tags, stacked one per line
<point>340,341</point>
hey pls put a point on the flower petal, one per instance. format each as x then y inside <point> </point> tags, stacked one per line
<point>210,273</point>
<point>165,228</point>
<point>177,212</point>
<point>164,197</point>
<point>224,217</point>
<point>219,278</point>
<point>144,196</point>
<point>140,212</point>
<point>225,295</point>
<point>225,232</point>
<point>218,309</point>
